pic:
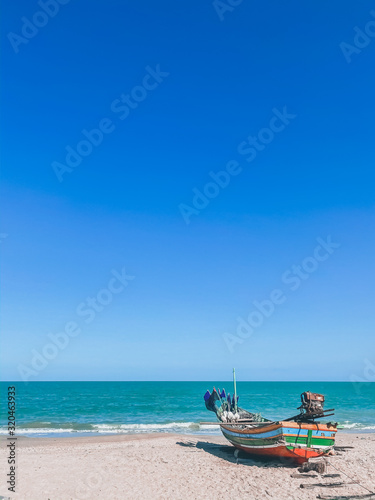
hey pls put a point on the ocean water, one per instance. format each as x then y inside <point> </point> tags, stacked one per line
<point>46,409</point>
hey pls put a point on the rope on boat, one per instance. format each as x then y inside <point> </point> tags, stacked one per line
<point>357,482</point>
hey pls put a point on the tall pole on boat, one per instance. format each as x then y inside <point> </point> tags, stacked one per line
<point>235,390</point>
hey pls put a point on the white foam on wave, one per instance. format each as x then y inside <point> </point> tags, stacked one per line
<point>40,430</point>
<point>113,428</point>
<point>172,426</point>
<point>355,425</point>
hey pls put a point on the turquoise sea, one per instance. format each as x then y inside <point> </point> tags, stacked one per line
<point>46,409</point>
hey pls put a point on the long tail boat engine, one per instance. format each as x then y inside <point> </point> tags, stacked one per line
<point>312,404</point>
<point>312,407</point>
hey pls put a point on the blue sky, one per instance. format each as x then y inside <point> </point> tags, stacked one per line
<point>214,83</point>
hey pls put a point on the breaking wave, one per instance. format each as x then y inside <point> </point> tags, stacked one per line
<point>355,426</point>
<point>49,428</point>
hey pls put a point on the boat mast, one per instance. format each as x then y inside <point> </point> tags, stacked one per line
<point>235,390</point>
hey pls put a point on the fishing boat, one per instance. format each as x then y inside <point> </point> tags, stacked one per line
<point>297,438</point>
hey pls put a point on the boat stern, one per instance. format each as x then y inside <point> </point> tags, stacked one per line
<point>308,440</point>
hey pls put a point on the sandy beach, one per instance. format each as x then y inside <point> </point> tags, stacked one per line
<point>172,466</point>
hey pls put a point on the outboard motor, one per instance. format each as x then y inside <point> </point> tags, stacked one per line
<point>312,404</point>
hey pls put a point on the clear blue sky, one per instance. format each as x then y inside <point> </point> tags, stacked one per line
<point>121,206</point>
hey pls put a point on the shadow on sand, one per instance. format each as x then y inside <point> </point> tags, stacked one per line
<point>231,454</point>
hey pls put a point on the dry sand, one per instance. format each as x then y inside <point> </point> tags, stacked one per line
<point>171,466</point>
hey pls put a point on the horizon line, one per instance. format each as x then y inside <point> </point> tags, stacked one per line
<point>206,381</point>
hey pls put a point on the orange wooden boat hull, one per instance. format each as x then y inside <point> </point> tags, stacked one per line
<point>283,440</point>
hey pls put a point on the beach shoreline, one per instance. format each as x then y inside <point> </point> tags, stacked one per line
<point>171,466</point>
